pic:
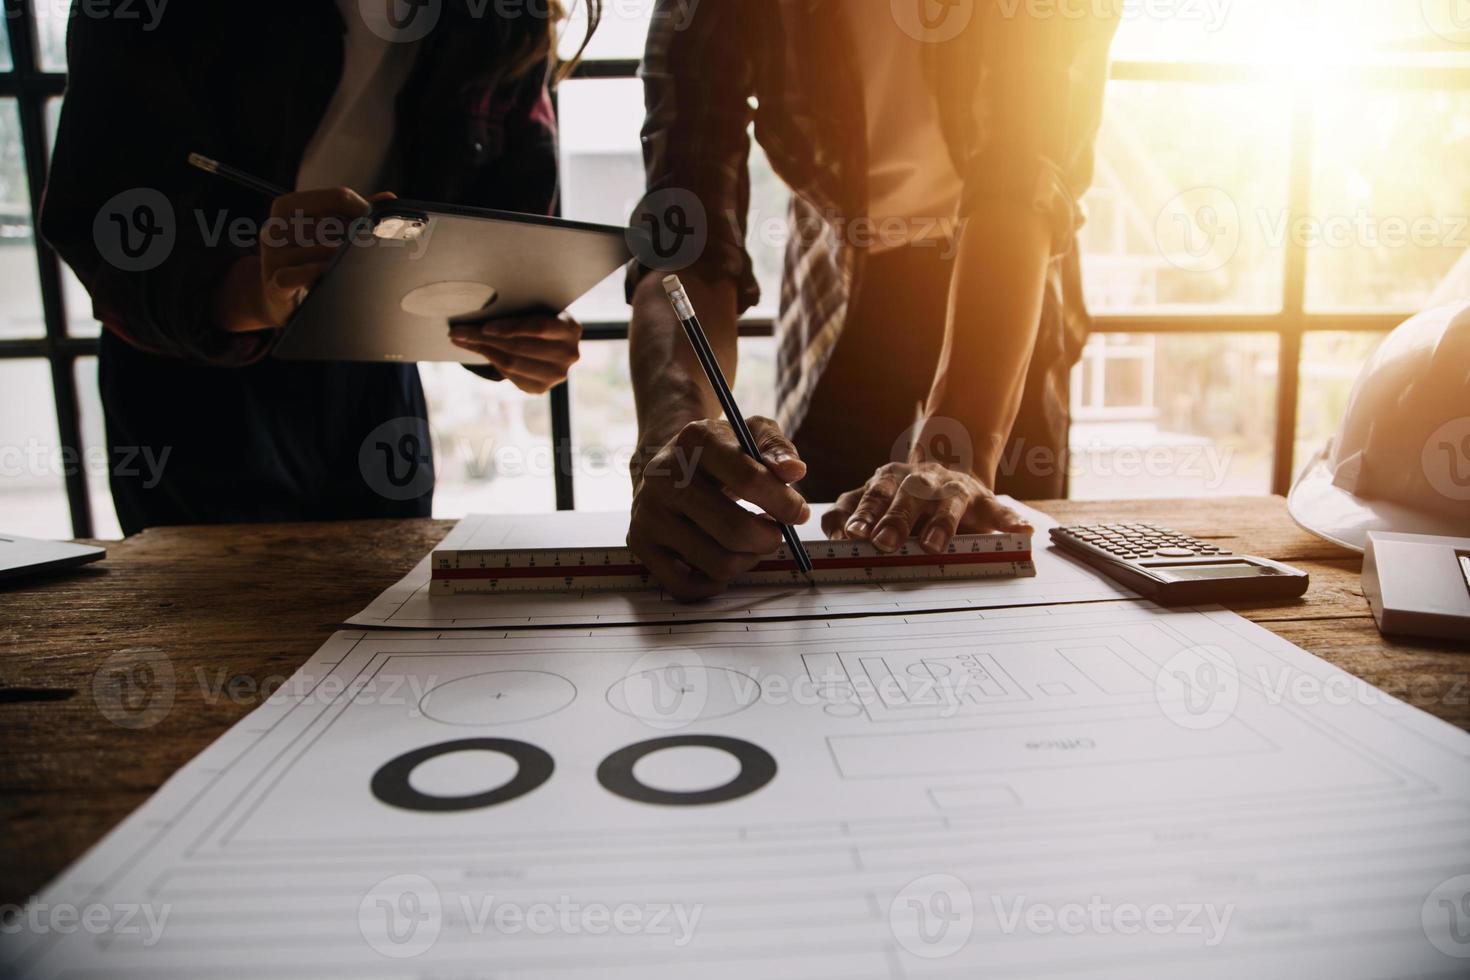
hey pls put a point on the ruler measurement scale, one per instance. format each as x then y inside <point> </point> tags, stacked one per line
<point>976,556</point>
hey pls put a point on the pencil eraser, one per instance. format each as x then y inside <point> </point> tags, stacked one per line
<point>672,284</point>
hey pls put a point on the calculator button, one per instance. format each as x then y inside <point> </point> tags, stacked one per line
<point>1175,553</point>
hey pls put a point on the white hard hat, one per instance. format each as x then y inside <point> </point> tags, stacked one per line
<point>1401,461</point>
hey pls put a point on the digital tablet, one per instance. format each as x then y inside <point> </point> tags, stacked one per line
<point>410,269</point>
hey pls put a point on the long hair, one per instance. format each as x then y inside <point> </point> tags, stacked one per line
<point>540,44</point>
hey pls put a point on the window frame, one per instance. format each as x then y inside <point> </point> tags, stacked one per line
<point>32,88</point>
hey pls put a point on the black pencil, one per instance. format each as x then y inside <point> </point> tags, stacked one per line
<point>684,309</point>
<point>240,177</point>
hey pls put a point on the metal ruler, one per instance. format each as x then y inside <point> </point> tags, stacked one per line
<point>974,556</point>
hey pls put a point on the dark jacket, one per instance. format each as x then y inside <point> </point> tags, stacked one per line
<point>249,438</point>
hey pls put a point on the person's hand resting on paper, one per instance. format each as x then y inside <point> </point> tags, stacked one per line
<point>297,244</point>
<point>923,499</point>
<point>532,352</point>
<point>686,525</point>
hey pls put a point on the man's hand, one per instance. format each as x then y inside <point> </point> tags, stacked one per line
<point>926,500</point>
<point>532,352</point>
<point>687,527</point>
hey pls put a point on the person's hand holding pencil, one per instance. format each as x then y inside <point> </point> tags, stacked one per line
<point>297,244</point>
<point>687,525</point>
<point>294,247</point>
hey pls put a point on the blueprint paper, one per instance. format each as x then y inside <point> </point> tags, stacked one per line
<point>1108,790</point>
<point>410,605</point>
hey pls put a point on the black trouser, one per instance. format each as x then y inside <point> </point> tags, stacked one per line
<point>274,441</point>
<point>883,367</point>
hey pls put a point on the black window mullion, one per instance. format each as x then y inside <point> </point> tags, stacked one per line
<point>563,480</point>
<point>561,446</point>
<point>31,104</point>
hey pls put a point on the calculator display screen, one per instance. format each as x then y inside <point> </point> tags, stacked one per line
<point>1196,573</point>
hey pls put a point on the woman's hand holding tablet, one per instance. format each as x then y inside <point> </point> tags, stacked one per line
<point>533,352</point>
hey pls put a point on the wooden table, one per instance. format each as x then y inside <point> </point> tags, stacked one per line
<point>237,609</point>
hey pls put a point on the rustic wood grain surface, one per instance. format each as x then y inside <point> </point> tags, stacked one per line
<point>231,612</point>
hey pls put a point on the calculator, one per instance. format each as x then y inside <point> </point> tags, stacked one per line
<point>1173,568</point>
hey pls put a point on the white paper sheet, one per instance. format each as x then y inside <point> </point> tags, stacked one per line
<point>1105,790</point>
<point>410,605</point>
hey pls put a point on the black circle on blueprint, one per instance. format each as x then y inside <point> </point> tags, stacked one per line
<point>757,768</point>
<point>391,785</point>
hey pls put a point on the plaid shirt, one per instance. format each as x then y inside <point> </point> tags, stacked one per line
<point>1020,102</point>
